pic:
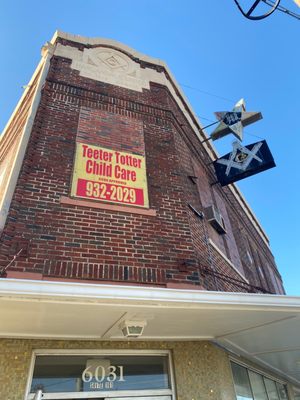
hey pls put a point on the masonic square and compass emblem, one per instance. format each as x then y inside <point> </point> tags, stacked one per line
<point>243,161</point>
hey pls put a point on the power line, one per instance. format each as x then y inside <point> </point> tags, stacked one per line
<point>210,120</point>
<point>206,119</point>
<point>207,93</point>
<point>215,122</point>
<point>274,6</point>
<point>256,136</point>
<point>219,97</point>
<point>282,9</point>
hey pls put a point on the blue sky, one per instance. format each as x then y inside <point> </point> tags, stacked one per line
<point>217,56</point>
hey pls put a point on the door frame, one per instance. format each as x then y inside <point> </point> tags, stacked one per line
<point>156,394</point>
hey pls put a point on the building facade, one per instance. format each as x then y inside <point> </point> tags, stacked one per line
<point>126,272</point>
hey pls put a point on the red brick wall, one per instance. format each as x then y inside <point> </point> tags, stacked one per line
<point>83,242</point>
<point>110,130</point>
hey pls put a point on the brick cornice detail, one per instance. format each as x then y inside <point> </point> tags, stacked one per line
<point>88,95</point>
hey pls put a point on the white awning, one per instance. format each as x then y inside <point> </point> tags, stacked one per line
<point>263,328</point>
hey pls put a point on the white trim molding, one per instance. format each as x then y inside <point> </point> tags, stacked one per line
<point>38,291</point>
<point>213,244</point>
<point>43,67</point>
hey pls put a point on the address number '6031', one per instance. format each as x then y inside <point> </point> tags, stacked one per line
<point>100,373</point>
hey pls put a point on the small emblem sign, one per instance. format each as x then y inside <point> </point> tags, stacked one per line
<point>234,121</point>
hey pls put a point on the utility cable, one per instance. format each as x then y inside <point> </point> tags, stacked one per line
<point>207,93</point>
<point>282,9</point>
<point>219,97</point>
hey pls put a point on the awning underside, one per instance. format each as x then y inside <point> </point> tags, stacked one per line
<point>263,328</point>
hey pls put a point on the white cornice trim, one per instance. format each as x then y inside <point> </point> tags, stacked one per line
<point>31,290</point>
<point>27,88</point>
<point>213,244</point>
<point>23,142</point>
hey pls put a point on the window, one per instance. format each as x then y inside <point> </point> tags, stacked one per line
<point>250,385</point>
<point>258,386</point>
<point>100,373</point>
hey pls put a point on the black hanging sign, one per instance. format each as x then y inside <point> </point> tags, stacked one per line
<point>243,161</point>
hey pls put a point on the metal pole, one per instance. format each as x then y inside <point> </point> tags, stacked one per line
<point>38,395</point>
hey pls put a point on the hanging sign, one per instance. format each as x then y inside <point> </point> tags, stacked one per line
<point>243,161</point>
<point>109,175</point>
<point>234,121</point>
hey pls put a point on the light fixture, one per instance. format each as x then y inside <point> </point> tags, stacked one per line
<point>132,328</point>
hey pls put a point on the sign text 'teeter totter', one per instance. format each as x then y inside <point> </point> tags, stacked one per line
<point>109,175</point>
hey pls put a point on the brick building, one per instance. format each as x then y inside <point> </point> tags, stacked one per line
<point>125,271</point>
